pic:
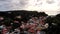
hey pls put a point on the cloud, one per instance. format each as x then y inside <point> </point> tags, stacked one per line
<point>4,5</point>
<point>51,7</point>
<point>12,4</point>
<point>18,4</point>
<point>50,1</point>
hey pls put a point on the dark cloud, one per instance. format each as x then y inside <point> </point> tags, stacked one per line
<point>50,2</point>
<point>23,2</point>
<point>2,0</point>
<point>12,4</point>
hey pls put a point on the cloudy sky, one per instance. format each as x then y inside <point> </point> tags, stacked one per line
<point>51,7</point>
